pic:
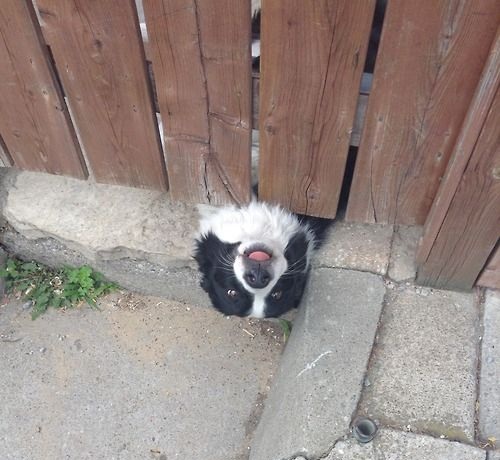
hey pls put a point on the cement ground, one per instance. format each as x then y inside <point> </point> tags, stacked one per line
<point>143,378</point>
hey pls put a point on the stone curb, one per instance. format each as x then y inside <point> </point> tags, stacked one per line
<point>136,238</point>
<point>321,374</point>
<point>139,238</point>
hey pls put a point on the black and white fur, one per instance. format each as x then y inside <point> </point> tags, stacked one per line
<point>239,285</point>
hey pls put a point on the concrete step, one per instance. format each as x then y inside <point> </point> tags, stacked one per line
<point>137,238</point>
<point>323,367</point>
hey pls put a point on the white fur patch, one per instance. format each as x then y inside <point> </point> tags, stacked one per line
<point>257,222</point>
<point>258,307</point>
<point>255,7</point>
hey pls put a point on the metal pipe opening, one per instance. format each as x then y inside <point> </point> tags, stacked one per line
<point>364,429</point>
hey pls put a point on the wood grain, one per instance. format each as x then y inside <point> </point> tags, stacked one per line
<point>358,118</point>
<point>201,58</point>
<point>461,236</point>
<point>98,51</point>
<point>466,143</point>
<point>34,121</point>
<point>311,64</point>
<point>430,59</point>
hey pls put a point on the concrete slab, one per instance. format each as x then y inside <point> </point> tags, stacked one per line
<point>402,265</point>
<point>422,373</point>
<point>144,378</point>
<point>397,445</point>
<point>493,455</point>
<point>358,247</point>
<point>321,373</point>
<point>102,221</point>
<point>489,387</point>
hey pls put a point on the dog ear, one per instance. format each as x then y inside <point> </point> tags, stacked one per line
<point>204,250</point>
<point>204,256</point>
<point>296,251</point>
<point>208,252</point>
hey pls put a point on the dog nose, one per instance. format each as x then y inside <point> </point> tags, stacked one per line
<point>257,277</point>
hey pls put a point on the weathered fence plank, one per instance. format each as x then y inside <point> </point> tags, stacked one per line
<point>430,59</point>
<point>464,224</point>
<point>98,51</point>
<point>311,64</point>
<point>357,127</point>
<point>202,65</point>
<point>34,122</point>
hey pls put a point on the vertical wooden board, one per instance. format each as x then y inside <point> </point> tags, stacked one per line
<point>471,227</point>
<point>358,118</point>
<point>202,64</point>
<point>225,27</point>
<point>34,122</point>
<point>466,142</point>
<point>175,52</point>
<point>255,99</point>
<point>490,276</point>
<point>312,55</point>
<point>429,62</point>
<point>98,51</point>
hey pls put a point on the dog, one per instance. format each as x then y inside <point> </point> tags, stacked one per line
<point>255,260</point>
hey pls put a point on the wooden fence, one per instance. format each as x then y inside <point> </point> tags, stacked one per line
<point>78,98</point>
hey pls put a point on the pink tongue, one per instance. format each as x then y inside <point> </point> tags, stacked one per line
<point>259,256</point>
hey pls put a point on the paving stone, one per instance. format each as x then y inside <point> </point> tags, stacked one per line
<point>404,246</point>
<point>489,388</point>
<point>422,374</point>
<point>321,373</point>
<point>398,445</point>
<point>355,246</point>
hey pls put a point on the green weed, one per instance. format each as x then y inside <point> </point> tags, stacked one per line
<point>46,287</point>
<point>286,327</point>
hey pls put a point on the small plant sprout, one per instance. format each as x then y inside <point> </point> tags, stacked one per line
<point>45,287</point>
<point>286,327</point>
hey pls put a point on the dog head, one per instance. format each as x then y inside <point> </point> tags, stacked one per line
<point>254,260</point>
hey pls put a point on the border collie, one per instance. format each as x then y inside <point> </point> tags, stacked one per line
<point>255,260</point>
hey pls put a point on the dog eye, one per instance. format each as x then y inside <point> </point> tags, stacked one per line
<point>232,293</point>
<point>276,295</point>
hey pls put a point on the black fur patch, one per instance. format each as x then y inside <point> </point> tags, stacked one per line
<point>290,286</point>
<point>215,259</point>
